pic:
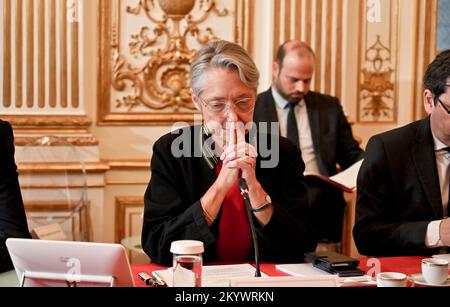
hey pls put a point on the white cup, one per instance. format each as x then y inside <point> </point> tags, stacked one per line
<point>435,271</point>
<point>391,279</point>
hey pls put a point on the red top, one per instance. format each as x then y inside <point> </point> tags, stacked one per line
<point>234,242</point>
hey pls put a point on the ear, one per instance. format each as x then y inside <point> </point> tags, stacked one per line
<point>428,101</point>
<point>195,101</point>
<point>275,70</point>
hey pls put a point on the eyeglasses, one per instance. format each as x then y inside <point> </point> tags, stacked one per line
<point>221,107</point>
<point>443,105</point>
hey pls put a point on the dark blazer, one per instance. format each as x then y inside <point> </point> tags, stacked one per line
<point>331,133</point>
<point>398,192</point>
<point>333,144</point>
<point>13,222</point>
<point>173,210</point>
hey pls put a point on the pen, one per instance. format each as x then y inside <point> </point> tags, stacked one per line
<point>149,281</point>
<point>158,280</point>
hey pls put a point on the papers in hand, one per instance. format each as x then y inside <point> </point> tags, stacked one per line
<point>214,275</point>
<point>345,180</point>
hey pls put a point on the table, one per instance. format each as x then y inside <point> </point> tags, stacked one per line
<point>9,279</point>
<point>372,266</point>
<point>406,265</point>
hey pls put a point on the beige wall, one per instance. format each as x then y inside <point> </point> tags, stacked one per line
<point>339,38</point>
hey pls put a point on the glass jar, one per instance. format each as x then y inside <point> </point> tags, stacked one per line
<point>187,263</point>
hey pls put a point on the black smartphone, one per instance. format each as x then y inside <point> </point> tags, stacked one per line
<point>342,271</point>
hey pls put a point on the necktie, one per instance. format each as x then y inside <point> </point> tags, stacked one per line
<point>234,242</point>
<point>292,128</point>
<point>448,172</point>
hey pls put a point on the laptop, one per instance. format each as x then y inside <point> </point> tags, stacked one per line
<point>41,263</point>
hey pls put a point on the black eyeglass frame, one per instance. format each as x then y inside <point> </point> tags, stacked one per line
<point>443,105</point>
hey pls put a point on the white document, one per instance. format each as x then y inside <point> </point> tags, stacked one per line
<point>345,180</point>
<point>215,275</point>
<point>307,269</point>
<point>348,177</point>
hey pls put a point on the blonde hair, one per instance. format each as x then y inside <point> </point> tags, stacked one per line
<point>227,55</point>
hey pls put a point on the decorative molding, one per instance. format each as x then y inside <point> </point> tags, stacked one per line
<point>377,95</point>
<point>160,85</point>
<point>56,167</point>
<point>49,205</point>
<point>122,204</point>
<point>59,186</point>
<point>377,88</point>
<point>127,182</point>
<point>91,167</point>
<point>76,141</point>
<point>172,62</point>
<point>41,122</point>
<point>129,164</point>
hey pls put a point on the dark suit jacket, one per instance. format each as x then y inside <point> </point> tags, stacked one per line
<point>398,192</point>
<point>334,144</point>
<point>12,215</point>
<point>331,133</point>
<point>173,210</point>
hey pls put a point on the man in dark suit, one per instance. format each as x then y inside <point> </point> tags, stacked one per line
<point>316,123</point>
<point>13,222</point>
<point>403,184</point>
<point>193,193</point>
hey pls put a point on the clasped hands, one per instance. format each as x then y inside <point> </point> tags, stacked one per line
<point>238,159</point>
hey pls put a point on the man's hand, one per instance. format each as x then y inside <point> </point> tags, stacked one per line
<point>444,232</point>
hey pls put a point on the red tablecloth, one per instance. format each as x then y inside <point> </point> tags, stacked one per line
<point>406,265</point>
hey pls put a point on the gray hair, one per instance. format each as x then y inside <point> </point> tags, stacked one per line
<point>227,55</point>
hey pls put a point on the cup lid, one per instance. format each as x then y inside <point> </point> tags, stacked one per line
<point>187,247</point>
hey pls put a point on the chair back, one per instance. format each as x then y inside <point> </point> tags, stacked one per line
<point>54,188</point>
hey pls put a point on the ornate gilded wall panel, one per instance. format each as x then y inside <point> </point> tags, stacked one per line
<point>146,48</point>
<point>378,100</point>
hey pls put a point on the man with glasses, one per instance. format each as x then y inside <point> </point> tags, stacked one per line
<point>13,222</point>
<point>403,184</point>
<point>193,193</point>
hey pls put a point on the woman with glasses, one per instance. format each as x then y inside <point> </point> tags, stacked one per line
<point>194,191</point>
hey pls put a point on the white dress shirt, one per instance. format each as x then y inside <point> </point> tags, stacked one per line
<point>443,167</point>
<point>304,129</point>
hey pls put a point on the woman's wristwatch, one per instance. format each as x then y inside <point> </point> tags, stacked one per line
<point>264,206</point>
